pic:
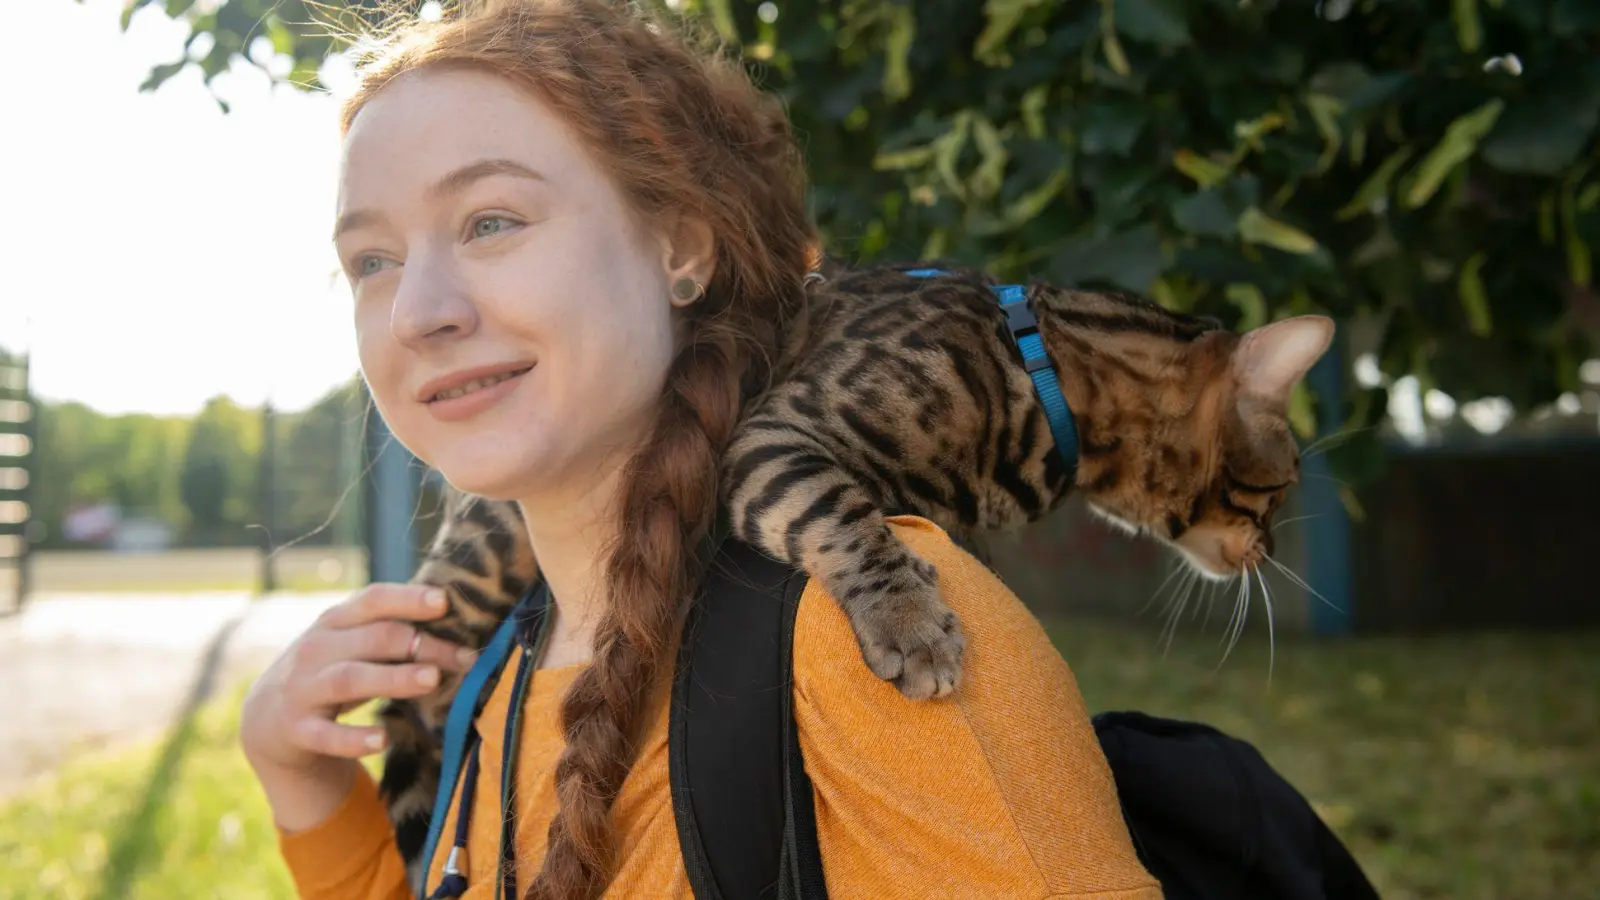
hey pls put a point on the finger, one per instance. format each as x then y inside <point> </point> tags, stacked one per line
<point>320,735</point>
<point>356,681</point>
<point>391,641</point>
<point>419,602</point>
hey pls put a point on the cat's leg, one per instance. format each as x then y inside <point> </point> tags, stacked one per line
<point>483,560</point>
<point>788,495</point>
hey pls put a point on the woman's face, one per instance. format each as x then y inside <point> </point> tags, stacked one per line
<point>514,324</point>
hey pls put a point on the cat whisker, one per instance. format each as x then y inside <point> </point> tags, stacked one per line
<point>1171,571</point>
<point>1289,573</point>
<point>1339,481</point>
<point>1180,599</point>
<point>1241,610</point>
<point>1277,525</point>
<point>1328,442</point>
<point>1272,649</point>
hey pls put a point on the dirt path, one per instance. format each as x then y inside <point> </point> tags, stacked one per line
<point>85,671</point>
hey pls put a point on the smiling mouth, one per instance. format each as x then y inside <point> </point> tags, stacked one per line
<point>478,384</point>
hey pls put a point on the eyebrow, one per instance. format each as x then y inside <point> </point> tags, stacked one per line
<point>453,183</point>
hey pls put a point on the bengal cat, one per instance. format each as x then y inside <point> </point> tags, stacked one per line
<point>906,393</point>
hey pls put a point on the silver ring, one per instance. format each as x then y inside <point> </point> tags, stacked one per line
<point>416,644</point>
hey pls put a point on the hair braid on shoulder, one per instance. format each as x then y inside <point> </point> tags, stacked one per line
<point>667,507</point>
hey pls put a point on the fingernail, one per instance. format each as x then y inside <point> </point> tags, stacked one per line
<point>465,656</point>
<point>375,741</point>
<point>428,677</point>
<point>434,597</point>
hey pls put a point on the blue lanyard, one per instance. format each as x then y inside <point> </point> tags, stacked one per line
<point>529,625</point>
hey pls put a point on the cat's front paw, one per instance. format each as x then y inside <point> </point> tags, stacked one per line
<point>910,638</point>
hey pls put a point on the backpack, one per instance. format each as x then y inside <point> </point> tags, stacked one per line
<point>1209,817</point>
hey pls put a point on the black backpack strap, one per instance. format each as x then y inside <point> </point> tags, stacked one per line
<point>740,794</point>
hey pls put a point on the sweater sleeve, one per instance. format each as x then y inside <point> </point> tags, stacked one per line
<point>1000,790</point>
<point>349,856</point>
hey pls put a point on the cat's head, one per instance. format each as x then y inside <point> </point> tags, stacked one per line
<point>1202,454</point>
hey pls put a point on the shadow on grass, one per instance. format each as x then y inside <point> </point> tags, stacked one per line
<point>134,843</point>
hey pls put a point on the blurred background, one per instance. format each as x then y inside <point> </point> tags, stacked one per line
<point>190,469</point>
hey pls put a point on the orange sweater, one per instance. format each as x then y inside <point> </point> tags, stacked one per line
<point>998,791</point>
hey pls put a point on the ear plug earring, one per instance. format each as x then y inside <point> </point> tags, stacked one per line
<point>687,290</point>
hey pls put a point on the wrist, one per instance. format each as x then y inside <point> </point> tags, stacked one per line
<point>304,797</point>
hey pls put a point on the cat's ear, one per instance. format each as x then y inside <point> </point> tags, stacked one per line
<point>1272,359</point>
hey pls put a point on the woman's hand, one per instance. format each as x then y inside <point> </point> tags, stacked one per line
<point>362,648</point>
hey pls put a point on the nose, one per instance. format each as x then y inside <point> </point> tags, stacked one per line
<point>431,302</point>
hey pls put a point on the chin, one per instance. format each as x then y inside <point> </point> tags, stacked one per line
<point>1208,566</point>
<point>487,471</point>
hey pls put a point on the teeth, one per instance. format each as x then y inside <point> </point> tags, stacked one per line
<point>475,385</point>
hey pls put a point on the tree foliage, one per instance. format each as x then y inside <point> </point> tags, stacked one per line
<point>201,474</point>
<point>1427,167</point>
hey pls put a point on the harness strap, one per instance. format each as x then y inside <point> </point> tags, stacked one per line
<point>1024,327</point>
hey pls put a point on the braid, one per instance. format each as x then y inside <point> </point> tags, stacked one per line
<point>668,505</point>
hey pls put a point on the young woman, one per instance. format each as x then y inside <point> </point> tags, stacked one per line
<point>571,238</point>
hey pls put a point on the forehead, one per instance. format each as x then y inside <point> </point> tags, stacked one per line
<point>427,123</point>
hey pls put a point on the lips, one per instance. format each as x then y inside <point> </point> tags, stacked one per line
<point>467,381</point>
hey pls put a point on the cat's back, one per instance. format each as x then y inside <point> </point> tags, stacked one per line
<point>864,316</point>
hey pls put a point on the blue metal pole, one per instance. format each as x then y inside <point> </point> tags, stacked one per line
<point>1327,532</point>
<point>392,551</point>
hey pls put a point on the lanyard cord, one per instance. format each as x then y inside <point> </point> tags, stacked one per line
<point>534,620</point>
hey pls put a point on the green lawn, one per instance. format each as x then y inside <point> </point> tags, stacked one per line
<point>1461,767</point>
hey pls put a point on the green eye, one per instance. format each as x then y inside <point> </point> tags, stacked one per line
<point>488,226</point>
<point>371,265</point>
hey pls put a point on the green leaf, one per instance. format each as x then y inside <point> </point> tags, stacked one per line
<point>1580,264</point>
<point>1158,22</point>
<point>1028,206</point>
<point>1215,212</point>
<point>1373,195</point>
<point>1257,227</point>
<point>1205,172</point>
<point>128,11</point>
<point>1206,213</point>
<point>1115,58</point>
<point>947,149</point>
<point>1112,126</point>
<point>896,51</point>
<point>1543,133</point>
<point>1460,140</point>
<point>1251,303</point>
<point>722,20</point>
<point>161,73</point>
<point>1474,301</point>
<point>987,178</point>
<point>1003,17</point>
<point>1302,417</point>
<point>1131,259</point>
<point>1469,28</point>
<point>1325,112</point>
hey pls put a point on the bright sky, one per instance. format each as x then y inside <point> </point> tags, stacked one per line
<point>200,261</point>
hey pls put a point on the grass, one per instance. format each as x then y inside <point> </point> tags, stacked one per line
<point>1462,766</point>
<point>1457,767</point>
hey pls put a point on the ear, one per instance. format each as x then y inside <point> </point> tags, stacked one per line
<point>1272,359</point>
<point>688,250</point>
